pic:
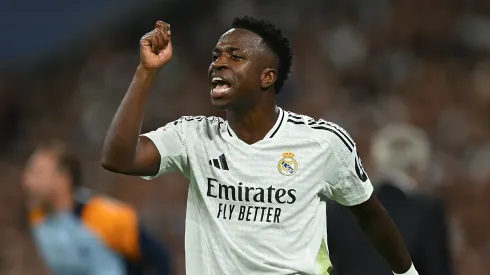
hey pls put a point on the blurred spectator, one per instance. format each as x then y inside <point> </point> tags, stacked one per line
<point>401,153</point>
<point>81,233</point>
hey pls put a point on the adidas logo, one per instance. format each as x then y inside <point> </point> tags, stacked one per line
<point>220,162</point>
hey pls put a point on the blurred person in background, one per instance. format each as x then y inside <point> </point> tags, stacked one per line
<point>244,171</point>
<point>401,154</point>
<point>79,232</point>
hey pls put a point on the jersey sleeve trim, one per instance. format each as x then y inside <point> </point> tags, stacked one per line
<point>161,147</point>
<point>357,200</point>
<point>172,141</point>
<point>350,201</point>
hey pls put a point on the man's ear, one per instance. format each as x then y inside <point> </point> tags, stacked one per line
<point>269,77</point>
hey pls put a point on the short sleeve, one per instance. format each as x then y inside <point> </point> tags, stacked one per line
<point>346,182</point>
<point>170,142</point>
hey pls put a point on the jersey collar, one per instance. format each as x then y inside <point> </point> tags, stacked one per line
<point>281,120</point>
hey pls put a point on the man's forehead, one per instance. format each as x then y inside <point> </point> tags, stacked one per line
<point>239,38</point>
<point>43,155</point>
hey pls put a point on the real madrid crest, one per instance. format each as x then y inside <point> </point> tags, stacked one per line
<point>287,166</point>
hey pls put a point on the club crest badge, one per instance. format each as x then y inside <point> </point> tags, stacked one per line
<point>287,166</point>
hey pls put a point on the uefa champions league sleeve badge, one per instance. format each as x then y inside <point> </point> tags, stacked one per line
<point>287,166</point>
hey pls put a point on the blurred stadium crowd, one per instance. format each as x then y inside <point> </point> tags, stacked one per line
<point>360,64</point>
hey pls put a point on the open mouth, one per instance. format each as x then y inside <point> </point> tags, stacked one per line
<point>219,86</point>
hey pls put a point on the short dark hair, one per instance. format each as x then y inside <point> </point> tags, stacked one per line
<point>274,39</point>
<point>68,160</point>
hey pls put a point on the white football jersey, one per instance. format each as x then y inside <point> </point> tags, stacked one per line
<point>261,208</point>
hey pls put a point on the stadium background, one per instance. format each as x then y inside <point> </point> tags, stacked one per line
<point>65,66</point>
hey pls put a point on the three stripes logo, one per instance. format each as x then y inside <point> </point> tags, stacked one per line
<point>220,163</point>
<point>324,125</point>
<point>339,132</point>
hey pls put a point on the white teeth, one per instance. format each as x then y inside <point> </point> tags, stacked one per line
<point>220,89</point>
<point>217,79</point>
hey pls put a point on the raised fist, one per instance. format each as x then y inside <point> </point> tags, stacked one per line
<point>156,47</point>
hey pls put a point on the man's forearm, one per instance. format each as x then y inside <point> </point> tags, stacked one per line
<point>123,134</point>
<point>376,223</point>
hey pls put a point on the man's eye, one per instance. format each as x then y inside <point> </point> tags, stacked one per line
<point>236,57</point>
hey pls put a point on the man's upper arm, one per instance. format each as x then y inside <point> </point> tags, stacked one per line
<point>170,144</point>
<point>346,181</point>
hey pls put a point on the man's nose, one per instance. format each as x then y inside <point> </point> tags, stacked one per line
<point>220,64</point>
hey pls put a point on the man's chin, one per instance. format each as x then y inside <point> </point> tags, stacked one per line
<point>221,103</point>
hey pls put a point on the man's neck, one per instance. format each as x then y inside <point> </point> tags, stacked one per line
<point>253,124</point>
<point>61,203</point>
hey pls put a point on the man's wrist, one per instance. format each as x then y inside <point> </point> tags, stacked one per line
<point>141,71</point>
<point>411,271</point>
